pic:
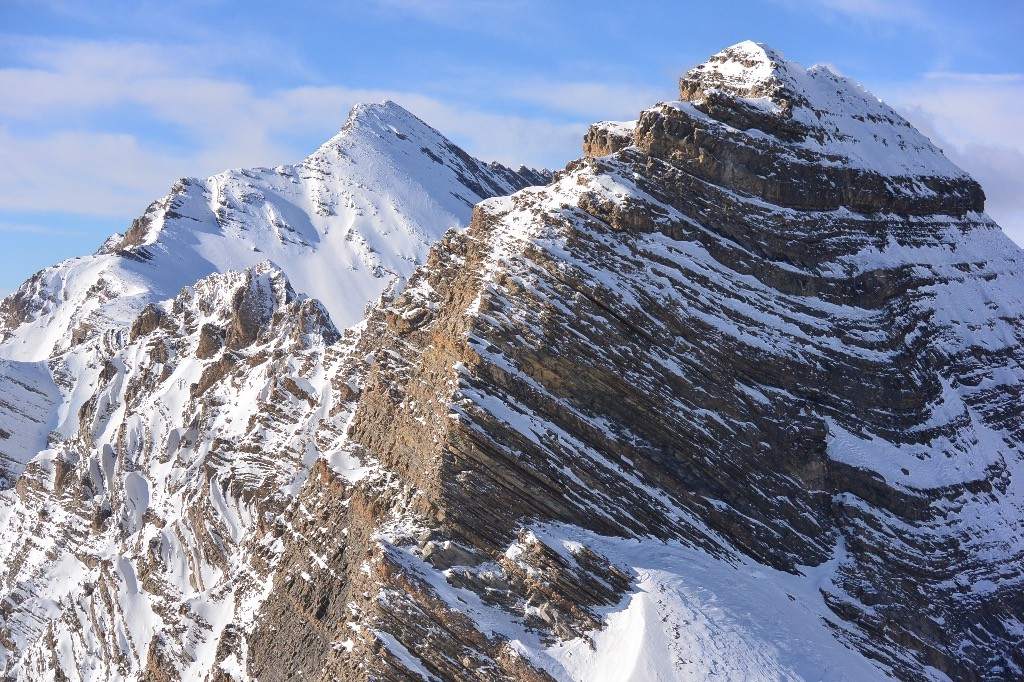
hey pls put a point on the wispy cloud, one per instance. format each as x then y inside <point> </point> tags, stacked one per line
<point>882,13</point>
<point>906,11</point>
<point>941,77</point>
<point>971,116</point>
<point>491,16</point>
<point>585,98</point>
<point>968,108</point>
<point>82,172</point>
<point>20,228</point>
<point>72,80</point>
<point>55,155</point>
<point>433,8</point>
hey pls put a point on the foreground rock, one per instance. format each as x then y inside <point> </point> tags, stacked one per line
<point>805,385</point>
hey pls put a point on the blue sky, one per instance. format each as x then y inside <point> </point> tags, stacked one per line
<point>104,104</point>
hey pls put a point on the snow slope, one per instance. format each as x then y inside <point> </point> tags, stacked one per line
<point>28,404</point>
<point>688,616</point>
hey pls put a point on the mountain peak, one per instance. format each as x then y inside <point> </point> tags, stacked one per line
<point>746,69</point>
<point>373,122</point>
<point>368,202</point>
<point>386,112</point>
<point>756,71</point>
<point>752,87</point>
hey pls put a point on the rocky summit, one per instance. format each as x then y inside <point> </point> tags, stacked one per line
<point>736,395</point>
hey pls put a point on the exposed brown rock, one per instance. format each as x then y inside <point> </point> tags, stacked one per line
<point>147,321</point>
<point>211,340</point>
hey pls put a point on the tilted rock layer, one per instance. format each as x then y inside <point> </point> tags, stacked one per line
<point>153,444</point>
<point>737,394</point>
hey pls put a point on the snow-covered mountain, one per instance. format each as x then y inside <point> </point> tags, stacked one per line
<point>736,396</point>
<point>733,386</point>
<point>122,395</point>
<point>349,222</point>
<point>179,441</point>
<point>355,217</point>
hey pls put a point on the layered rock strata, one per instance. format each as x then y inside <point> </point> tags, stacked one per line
<point>754,336</point>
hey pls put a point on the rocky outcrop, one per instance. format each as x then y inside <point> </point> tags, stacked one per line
<point>608,137</point>
<point>809,140</point>
<point>766,169</point>
<point>663,343</point>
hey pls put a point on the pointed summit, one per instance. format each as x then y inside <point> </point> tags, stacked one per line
<point>751,86</point>
<point>372,124</point>
<point>385,138</point>
<point>351,220</point>
<point>763,77</point>
<point>746,69</point>
<point>382,116</point>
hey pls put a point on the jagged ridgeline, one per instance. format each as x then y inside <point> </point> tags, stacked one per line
<point>736,395</point>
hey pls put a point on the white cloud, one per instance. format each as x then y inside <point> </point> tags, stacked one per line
<point>874,13</point>
<point>509,139</point>
<point>82,172</point>
<point>970,108</point>
<point>493,16</point>
<point>588,100</point>
<point>57,153</point>
<point>973,118</point>
<point>906,11</point>
<point>22,228</point>
<point>70,81</point>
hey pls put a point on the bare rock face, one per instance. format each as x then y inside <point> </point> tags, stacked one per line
<point>608,137</point>
<point>211,340</point>
<point>147,321</point>
<point>827,142</point>
<point>25,304</point>
<point>736,332</point>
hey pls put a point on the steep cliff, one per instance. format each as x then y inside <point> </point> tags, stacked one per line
<point>743,387</point>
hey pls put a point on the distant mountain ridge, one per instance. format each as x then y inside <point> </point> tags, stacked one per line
<point>350,221</point>
<point>370,201</point>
